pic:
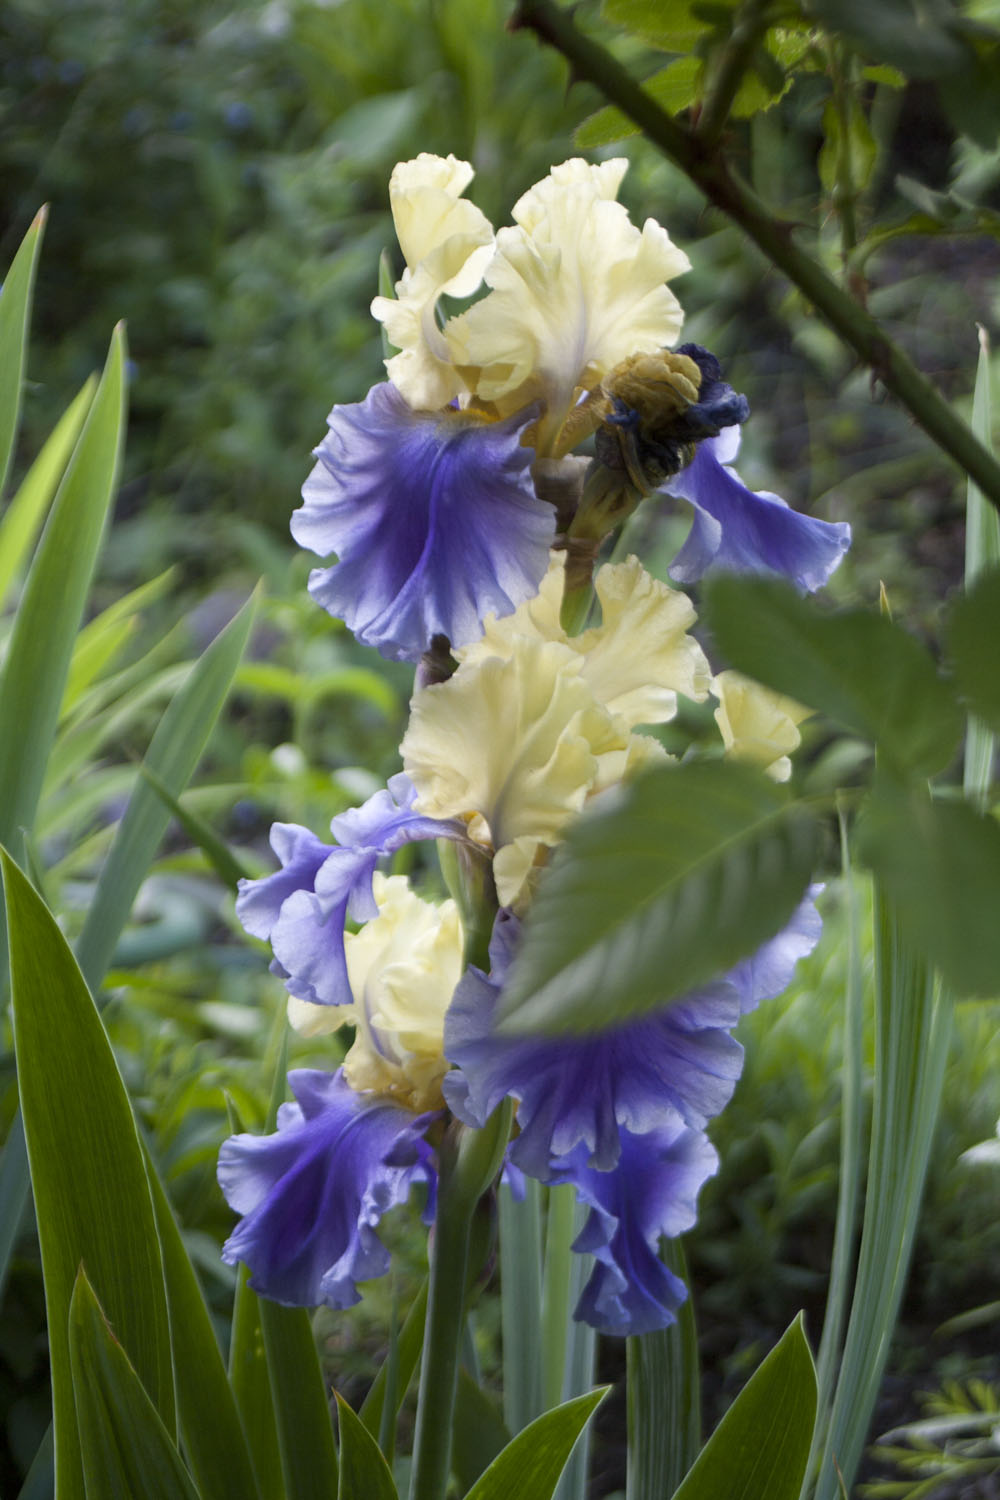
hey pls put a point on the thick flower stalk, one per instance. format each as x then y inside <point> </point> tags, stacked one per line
<point>465,536</point>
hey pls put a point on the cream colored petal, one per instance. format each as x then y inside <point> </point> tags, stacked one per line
<point>317,1020</point>
<point>603,178</point>
<point>427,209</point>
<point>403,967</point>
<point>571,296</point>
<point>536,618</point>
<point>513,742</point>
<point>640,656</point>
<point>757,725</point>
<point>423,371</point>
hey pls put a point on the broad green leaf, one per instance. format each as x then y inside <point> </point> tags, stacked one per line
<point>973,633</point>
<point>530,1466</point>
<point>127,1452</point>
<point>41,642</point>
<point>759,1449</point>
<point>677,27</point>
<point>409,1343</point>
<point>364,1473</point>
<point>854,666</point>
<point>173,754</point>
<point>690,870</point>
<point>301,1404</point>
<point>940,864</point>
<point>91,1194</point>
<point>24,515</point>
<point>479,1433</point>
<point>15,310</point>
<point>674,88</point>
<point>209,1423</point>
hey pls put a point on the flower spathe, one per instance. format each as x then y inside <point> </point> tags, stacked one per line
<point>302,908</point>
<point>432,516</point>
<point>311,1194</point>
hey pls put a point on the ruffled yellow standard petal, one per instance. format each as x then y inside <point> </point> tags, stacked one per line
<point>757,724</point>
<point>575,289</point>
<point>638,658</point>
<point>447,244</point>
<point>513,745</point>
<point>403,967</point>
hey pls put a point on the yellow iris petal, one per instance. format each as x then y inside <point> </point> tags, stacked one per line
<point>757,725</point>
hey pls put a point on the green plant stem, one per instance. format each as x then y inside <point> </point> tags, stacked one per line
<point>846,196</point>
<point>727,75</point>
<point>709,171</point>
<point>559,1236</point>
<point>468,1162</point>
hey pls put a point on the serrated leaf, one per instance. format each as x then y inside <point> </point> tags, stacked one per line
<point>857,667</point>
<point>940,864</point>
<point>364,1473</point>
<point>760,1448</point>
<point>530,1466</point>
<point>674,89</point>
<point>127,1452</point>
<point>690,870</point>
<point>15,311</point>
<point>973,632</point>
<point>91,1193</point>
<point>673,28</point>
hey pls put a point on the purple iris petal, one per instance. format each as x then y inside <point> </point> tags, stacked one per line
<point>743,532</point>
<point>677,1065</point>
<point>312,1193</point>
<point>433,518</point>
<point>652,1192</point>
<point>302,908</point>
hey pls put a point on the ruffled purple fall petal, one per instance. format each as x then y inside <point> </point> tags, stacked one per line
<point>741,532</point>
<point>652,1192</point>
<point>311,1195</point>
<point>677,1065</point>
<point>432,516</point>
<point>302,908</point>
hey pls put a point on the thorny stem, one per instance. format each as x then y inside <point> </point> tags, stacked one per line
<point>708,170</point>
<point>733,60</point>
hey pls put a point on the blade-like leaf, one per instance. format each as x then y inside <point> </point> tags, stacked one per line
<point>408,1346</point>
<point>174,752</point>
<point>127,1452</point>
<point>91,1194</point>
<point>974,629</point>
<point>664,1405</point>
<point>301,1406</point>
<point>15,310</point>
<point>209,1423</point>
<point>364,1473</point>
<point>982,550</point>
<point>692,869</point>
<point>201,833</point>
<point>24,515</point>
<point>857,667</point>
<point>530,1466</point>
<point>41,642</point>
<point>940,864</point>
<point>759,1449</point>
<point>479,1434</point>
<point>248,1376</point>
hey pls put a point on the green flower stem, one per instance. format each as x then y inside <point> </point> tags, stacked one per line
<point>556,1291</point>
<point>469,1160</point>
<point>704,164</point>
<point>733,59</point>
